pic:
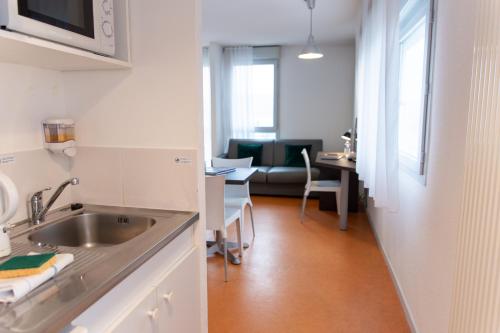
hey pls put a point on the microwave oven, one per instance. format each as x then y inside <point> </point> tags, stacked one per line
<point>86,24</point>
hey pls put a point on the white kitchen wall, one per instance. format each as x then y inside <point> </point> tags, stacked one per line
<point>137,177</point>
<point>154,104</point>
<point>140,131</point>
<point>28,96</point>
<point>420,239</point>
<point>317,96</point>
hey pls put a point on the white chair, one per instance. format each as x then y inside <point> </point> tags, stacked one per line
<point>237,195</point>
<point>318,186</point>
<point>220,217</point>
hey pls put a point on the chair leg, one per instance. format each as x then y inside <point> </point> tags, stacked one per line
<point>337,197</point>
<point>242,222</point>
<point>304,202</point>
<point>251,218</point>
<point>239,233</point>
<point>225,260</point>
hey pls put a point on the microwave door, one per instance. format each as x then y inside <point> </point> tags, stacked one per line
<point>76,15</point>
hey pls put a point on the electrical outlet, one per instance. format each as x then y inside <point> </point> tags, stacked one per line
<point>183,160</point>
<point>7,159</point>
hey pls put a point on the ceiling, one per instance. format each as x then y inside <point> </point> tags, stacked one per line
<point>282,22</point>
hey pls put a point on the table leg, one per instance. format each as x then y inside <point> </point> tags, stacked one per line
<point>218,247</point>
<point>344,197</point>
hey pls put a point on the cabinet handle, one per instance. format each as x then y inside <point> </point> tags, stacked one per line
<point>153,314</point>
<point>168,296</point>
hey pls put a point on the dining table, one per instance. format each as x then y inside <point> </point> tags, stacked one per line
<point>239,176</point>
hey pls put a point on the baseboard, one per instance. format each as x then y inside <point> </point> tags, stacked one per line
<point>399,290</point>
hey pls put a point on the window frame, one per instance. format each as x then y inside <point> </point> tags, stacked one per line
<point>411,15</point>
<point>275,128</point>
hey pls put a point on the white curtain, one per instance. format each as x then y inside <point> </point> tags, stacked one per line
<point>238,120</point>
<point>377,91</point>
<point>207,107</point>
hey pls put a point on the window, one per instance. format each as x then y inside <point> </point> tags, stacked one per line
<point>207,110</point>
<point>264,98</point>
<point>414,83</point>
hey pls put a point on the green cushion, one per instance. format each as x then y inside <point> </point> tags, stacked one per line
<point>251,150</point>
<point>293,155</point>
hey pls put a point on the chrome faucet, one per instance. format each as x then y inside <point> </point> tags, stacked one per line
<point>38,212</point>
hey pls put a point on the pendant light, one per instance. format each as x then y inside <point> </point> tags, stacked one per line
<point>311,50</point>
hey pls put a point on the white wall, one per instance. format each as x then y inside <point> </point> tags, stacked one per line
<point>317,96</point>
<point>156,104</point>
<point>133,124</point>
<point>153,104</point>
<point>420,239</point>
<point>28,96</point>
<point>130,124</point>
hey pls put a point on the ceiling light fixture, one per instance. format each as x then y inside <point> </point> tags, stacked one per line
<point>311,50</point>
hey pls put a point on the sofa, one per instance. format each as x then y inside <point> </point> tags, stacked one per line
<point>273,176</point>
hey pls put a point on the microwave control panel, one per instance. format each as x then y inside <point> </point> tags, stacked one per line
<point>107,25</point>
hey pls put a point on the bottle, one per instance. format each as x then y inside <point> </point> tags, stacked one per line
<point>9,200</point>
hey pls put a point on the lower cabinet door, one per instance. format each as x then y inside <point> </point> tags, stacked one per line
<point>179,298</point>
<point>143,318</point>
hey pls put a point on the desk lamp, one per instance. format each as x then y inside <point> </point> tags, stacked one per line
<point>347,143</point>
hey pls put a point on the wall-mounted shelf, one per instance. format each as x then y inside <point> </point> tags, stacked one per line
<point>25,50</point>
<point>31,51</point>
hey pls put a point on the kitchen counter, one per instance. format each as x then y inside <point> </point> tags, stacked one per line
<point>95,271</point>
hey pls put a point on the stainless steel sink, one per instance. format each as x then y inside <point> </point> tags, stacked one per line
<point>121,240</point>
<point>91,230</point>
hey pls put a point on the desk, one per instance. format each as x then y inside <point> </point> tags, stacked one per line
<point>346,167</point>
<point>240,176</point>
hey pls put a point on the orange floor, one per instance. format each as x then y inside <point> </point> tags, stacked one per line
<point>304,278</point>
